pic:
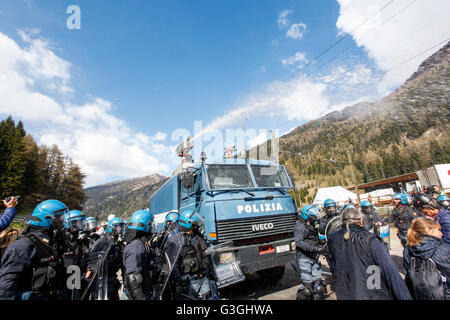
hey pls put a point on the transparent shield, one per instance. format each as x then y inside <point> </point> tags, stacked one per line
<point>170,252</point>
<point>333,225</point>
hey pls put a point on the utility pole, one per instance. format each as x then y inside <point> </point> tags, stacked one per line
<point>353,175</point>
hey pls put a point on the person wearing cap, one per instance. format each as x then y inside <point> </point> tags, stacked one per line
<point>361,265</point>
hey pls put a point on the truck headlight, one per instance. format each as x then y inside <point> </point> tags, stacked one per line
<point>293,245</point>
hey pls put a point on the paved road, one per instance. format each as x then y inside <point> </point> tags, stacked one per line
<point>255,289</point>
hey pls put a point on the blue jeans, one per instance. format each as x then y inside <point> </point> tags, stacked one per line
<point>310,269</point>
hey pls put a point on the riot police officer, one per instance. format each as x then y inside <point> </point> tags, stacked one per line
<point>138,257</point>
<point>89,234</point>
<point>104,261</point>
<point>306,235</point>
<point>330,208</point>
<point>191,276</point>
<point>32,267</point>
<point>331,212</point>
<point>371,217</point>
<point>402,215</point>
<point>427,205</point>
<point>75,250</point>
<point>159,238</point>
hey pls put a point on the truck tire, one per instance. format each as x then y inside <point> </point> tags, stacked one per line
<point>272,275</point>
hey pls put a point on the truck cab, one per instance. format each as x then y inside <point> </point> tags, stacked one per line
<point>243,203</point>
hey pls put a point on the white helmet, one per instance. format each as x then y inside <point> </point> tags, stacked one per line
<point>111,216</point>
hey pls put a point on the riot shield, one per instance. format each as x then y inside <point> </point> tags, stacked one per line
<point>333,225</point>
<point>99,257</point>
<point>225,265</point>
<point>383,233</point>
<point>171,250</point>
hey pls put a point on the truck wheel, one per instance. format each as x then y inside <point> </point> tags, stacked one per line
<point>272,275</point>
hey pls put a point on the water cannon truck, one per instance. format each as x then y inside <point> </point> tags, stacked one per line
<point>249,217</point>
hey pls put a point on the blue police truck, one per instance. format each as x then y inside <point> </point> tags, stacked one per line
<point>244,204</point>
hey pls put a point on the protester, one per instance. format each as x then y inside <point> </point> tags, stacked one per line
<point>10,212</point>
<point>361,264</point>
<point>424,244</point>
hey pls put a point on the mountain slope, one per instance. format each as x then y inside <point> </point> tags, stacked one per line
<point>121,198</point>
<point>401,133</point>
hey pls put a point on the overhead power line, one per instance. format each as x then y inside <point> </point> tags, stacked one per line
<point>338,41</point>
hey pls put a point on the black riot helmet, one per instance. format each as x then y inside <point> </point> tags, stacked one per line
<point>425,200</point>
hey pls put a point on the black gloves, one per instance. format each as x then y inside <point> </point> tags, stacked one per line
<point>134,287</point>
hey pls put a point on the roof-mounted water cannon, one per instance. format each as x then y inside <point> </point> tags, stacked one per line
<point>183,149</point>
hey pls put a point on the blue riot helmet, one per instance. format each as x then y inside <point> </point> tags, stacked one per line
<point>444,201</point>
<point>66,220</point>
<point>406,199</point>
<point>114,225</point>
<point>349,205</point>
<point>49,209</point>
<point>76,218</point>
<point>189,218</point>
<point>141,220</point>
<point>172,216</point>
<point>366,206</point>
<point>309,210</point>
<point>397,196</point>
<point>330,207</point>
<point>90,224</point>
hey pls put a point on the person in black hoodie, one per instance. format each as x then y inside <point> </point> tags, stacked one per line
<point>424,241</point>
<point>361,265</point>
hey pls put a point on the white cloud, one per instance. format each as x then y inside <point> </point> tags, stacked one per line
<point>296,31</point>
<point>415,29</point>
<point>298,57</point>
<point>102,144</point>
<point>283,21</point>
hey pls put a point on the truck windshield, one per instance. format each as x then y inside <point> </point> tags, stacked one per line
<point>270,176</point>
<point>229,176</point>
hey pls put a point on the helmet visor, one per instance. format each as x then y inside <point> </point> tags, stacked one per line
<point>76,225</point>
<point>366,210</point>
<point>331,210</point>
<point>89,225</point>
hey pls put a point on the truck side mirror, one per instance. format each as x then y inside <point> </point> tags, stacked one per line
<point>188,180</point>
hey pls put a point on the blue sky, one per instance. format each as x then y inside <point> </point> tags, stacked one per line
<point>171,63</point>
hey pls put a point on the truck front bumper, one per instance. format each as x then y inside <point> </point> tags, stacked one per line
<point>264,256</point>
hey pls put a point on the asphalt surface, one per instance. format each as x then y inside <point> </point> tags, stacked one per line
<point>255,288</point>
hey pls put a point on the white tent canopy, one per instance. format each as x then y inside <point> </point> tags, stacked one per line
<point>338,194</point>
<point>383,194</point>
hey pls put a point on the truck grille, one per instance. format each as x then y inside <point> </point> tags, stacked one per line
<point>238,229</point>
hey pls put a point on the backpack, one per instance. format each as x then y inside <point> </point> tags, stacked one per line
<point>424,280</point>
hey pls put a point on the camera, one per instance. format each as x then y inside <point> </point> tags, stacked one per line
<point>9,198</point>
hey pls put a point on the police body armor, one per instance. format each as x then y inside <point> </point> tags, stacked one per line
<point>148,276</point>
<point>47,274</point>
<point>193,261</point>
<point>312,236</point>
<point>404,219</point>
